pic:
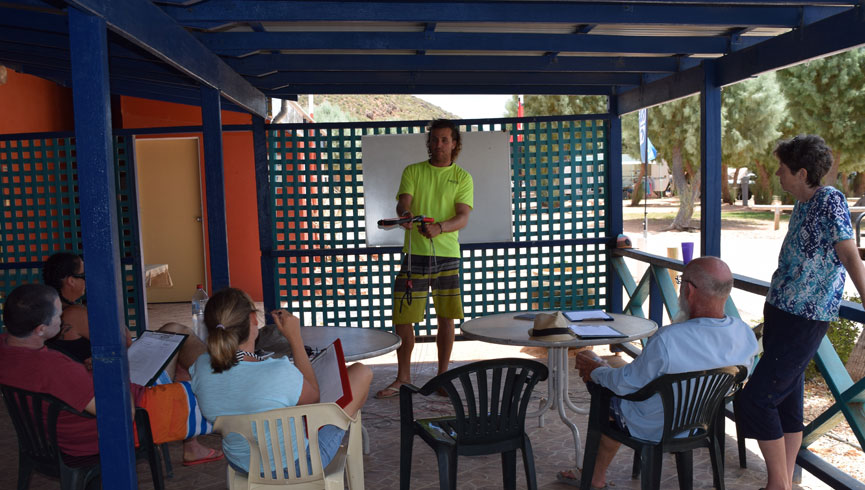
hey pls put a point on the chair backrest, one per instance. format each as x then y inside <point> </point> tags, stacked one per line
<point>275,437</point>
<point>691,400</point>
<point>495,395</point>
<point>34,416</point>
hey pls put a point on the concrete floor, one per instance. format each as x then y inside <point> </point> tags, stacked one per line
<point>553,444</point>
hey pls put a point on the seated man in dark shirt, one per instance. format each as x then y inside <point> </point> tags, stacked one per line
<point>31,314</point>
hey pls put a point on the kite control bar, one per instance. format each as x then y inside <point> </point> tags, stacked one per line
<point>400,221</point>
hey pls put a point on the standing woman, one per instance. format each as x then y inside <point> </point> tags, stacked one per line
<point>232,380</point>
<point>803,298</point>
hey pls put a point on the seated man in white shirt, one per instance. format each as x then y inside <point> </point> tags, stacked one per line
<point>701,337</point>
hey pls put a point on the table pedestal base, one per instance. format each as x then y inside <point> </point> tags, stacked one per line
<point>558,399</point>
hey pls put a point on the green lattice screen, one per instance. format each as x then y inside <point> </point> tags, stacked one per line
<point>39,212</point>
<point>325,273</point>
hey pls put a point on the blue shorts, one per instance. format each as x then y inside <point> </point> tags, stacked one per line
<point>770,405</point>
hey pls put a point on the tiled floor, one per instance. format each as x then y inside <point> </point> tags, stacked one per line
<point>553,444</point>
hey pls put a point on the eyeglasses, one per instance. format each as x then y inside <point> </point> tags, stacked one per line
<point>680,280</point>
<point>79,276</point>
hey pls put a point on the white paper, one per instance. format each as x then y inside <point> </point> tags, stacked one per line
<point>149,353</point>
<point>326,368</point>
<point>578,316</point>
<point>595,331</point>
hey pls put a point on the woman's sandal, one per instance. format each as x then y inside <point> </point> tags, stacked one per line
<point>568,477</point>
<point>389,392</point>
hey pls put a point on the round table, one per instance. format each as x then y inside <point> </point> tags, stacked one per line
<point>357,343</point>
<point>505,329</point>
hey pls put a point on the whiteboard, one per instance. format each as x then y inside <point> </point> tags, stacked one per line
<point>485,155</point>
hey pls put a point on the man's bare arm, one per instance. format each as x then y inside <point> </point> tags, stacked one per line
<point>458,222</point>
<point>403,208</point>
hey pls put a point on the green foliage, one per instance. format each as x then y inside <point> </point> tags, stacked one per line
<point>827,97</point>
<point>378,107</point>
<point>330,113</point>
<point>843,334</point>
<point>751,112</point>
<point>548,105</point>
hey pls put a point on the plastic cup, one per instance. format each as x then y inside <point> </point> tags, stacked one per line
<point>687,252</point>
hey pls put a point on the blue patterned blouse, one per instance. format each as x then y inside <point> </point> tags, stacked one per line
<point>810,278</point>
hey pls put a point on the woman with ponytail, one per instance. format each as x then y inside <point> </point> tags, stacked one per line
<point>232,380</point>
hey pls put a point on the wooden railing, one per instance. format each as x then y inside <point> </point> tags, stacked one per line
<point>656,288</point>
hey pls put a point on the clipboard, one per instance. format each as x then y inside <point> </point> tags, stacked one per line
<point>150,353</point>
<point>595,331</point>
<point>332,375</point>
<point>587,315</point>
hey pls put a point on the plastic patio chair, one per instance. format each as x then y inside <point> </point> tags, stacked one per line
<point>34,416</point>
<point>489,417</point>
<point>270,435</point>
<point>691,403</point>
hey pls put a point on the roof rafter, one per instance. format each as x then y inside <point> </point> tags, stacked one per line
<point>771,14</point>
<point>238,44</point>
<point>148,26</point>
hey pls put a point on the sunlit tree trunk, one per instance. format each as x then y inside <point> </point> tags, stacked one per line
<point>832,175</point>
<point>688,189</point>
<point>637,194</point>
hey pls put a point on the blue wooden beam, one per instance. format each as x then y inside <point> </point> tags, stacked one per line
<point>149,27</point>
<point>283,79</point>
<point>437,89</point>
<point>710,163</point>
<point>264,64</point>
<point>265,213</point>
<point>613,199</point>
<point>214,181</point>
<point>99,233</point>
<point>245,43</point>
<point>218,11</point>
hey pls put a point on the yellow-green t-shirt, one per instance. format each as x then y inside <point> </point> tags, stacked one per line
<point>435,191</point>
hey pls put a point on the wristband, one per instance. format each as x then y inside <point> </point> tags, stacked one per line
<point>441,228</point>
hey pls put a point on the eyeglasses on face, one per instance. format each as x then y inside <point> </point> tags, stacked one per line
<point>79,276</point>
<point>680,280</point>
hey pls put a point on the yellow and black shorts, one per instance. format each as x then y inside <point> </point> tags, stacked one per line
<point>442,275</point>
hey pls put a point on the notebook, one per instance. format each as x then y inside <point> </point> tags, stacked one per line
<point>595,331</point>
<point>591,315</point>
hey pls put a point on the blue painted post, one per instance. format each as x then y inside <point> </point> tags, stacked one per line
<point>710,165</point>
<point>265,215</point>
<point>214,181</point>
<point>656,297</point>
<point>614,198</point>
<point>98,203</point>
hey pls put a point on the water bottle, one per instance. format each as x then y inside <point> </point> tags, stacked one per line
<point>199,300</point>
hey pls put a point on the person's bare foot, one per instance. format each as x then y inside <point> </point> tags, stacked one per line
<point>391,391</point>
<point>196,453</point>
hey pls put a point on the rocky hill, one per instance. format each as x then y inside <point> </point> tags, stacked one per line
<point>374,108</point>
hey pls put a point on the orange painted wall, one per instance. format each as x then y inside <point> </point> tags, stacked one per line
<point>31,104</point>
<point>240,199</point>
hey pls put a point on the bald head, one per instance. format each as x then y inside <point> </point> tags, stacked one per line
<point>706,285</point>
<point>710,275</point>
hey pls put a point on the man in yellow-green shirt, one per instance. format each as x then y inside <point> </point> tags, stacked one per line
<point>437,188</point>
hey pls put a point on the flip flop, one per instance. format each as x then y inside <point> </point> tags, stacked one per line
<point>213,455</point>
<point>388,392</point>
<point>574,481</point>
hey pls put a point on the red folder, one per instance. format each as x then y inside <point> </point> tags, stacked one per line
<point>332,375</point>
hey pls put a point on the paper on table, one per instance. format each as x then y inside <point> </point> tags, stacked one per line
<point>595,331</point>
<point>332,375</point>
<point>149,354</point>
<point>578,316</point>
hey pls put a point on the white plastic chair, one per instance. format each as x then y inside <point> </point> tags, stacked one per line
<point>267,451</point>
